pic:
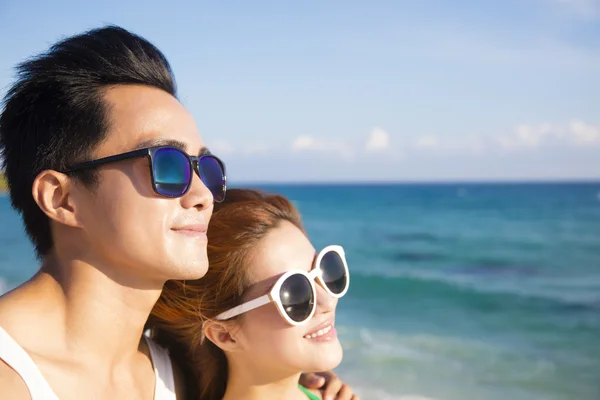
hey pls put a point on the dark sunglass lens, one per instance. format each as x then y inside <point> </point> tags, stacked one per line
<point>334,272</point>
<point>213,176</point>
<point>172,172</point>
<point>296,295</point>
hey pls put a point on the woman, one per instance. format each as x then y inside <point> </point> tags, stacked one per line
<point>265,311</point>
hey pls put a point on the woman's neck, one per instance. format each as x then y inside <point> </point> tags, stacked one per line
<point>249,385</point>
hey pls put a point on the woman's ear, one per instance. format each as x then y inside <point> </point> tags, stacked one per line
<point>52,191</point>
<point>222,334</point>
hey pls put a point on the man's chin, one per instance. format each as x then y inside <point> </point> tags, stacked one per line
<point>194,271</point>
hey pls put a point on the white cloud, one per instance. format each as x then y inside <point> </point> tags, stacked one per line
<point>428,141</point>
<point>583,133</point>
<point>456,145</point>
<point>303,143</point>
<point>576,133</point>
<point>527,136</point>
<point>378,140</point>
<point>308,143</point>
<point>540,138</point>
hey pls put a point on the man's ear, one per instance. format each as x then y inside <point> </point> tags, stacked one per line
<point>53,193</point>
<point>222,334</point>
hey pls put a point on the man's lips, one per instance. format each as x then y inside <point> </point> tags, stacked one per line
<point>192,229</point>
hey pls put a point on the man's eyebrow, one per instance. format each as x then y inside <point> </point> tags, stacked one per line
<point>162,142</point>
<point>204,151</point>
<point>170,142</point>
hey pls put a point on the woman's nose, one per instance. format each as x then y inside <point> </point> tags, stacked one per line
<point>325,302</point>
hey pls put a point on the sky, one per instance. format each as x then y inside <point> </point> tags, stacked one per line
<point>423,90</point>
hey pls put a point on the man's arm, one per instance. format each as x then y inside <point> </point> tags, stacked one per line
<point>330,386</point>
<point>11,384</point>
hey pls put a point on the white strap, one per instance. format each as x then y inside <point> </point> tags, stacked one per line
<point>17,358</point>
<point>163,370</point>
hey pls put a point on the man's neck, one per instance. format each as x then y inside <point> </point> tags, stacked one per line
<point>70,308</point>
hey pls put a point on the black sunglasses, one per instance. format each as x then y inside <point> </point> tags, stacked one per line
<point>171,170</point>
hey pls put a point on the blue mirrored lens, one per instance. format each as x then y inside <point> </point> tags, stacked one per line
<point>213,176</point>
<point>172,172</point>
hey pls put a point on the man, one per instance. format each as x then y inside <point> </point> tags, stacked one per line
<point>108,231</point>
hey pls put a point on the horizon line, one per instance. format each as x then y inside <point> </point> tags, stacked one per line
<point>523,181</point>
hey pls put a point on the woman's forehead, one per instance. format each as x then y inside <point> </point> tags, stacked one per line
<point>285,248</point>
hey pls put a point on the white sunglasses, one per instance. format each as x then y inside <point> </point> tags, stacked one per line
<point>295,292</point>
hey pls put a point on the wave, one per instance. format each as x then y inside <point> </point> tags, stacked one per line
<point>479,292</point>
<point>445,249</point>
<point>411,236</point>
<point>375,393</point>
<point>481,262</point>
<point>384,364</point>
<point>414,256</point>
<point>494,266</point>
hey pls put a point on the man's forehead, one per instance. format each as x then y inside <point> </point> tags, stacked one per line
<point>144,108</point>
<point>142,117</point>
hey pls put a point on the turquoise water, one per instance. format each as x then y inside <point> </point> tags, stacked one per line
<point>458,291</point>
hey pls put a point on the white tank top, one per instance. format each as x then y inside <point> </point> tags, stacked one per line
<point>39,389</point>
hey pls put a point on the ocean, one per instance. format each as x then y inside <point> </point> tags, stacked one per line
<point>458,291</point>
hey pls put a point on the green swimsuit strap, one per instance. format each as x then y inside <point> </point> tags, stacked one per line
<point>308,393</point>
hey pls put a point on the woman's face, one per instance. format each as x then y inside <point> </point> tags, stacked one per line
<point>264,336</point>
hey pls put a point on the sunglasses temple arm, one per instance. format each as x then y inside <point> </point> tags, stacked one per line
<point>108,160</point>
<point>245,307</point>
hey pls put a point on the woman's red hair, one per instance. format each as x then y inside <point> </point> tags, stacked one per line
<point>237,225</point>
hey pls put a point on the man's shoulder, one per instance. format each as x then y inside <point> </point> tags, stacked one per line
<point>11,300</point>
<point>11,310</point>
<point>11,383</point>
<point>21,307</point>
<point>13,315</point>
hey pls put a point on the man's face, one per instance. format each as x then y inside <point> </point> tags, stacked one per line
<point>128,228</point>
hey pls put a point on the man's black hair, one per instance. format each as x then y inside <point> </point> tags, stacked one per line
<point>54,114</point>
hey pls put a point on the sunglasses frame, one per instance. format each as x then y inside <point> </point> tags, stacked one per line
<point>150,153</point>
<point>273,295</point>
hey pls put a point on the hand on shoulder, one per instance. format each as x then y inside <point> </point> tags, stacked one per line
<point>329,385</point>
